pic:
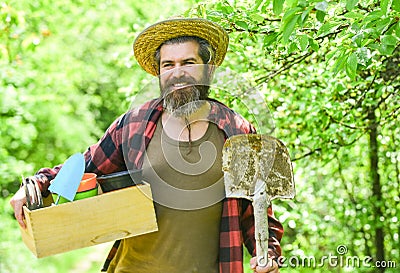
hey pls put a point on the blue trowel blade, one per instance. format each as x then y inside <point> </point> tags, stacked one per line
<point>68,178</point>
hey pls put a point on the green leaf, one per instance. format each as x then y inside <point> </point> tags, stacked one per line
<point>367,42</point>
<point>351,66</point>
<point>358,38</point>
<point>277,6</point>
<point>270,38</point>
<point>340,62</point>
<point>353,15</point>
<point>374,46</point>
<point>291,12</point>
<point>292,47</point>
<point>292,3</point>
<point>330,55</point>
<point>398,29</point>
<point>257,17</point>
<point>288,28</point>
<point>226,9</point>
<point>373,16</point>
<point>382,24</point>
<point>389,40</point>
<point>303,42</point>
<point>396,5</point>
<point>320,16</point>
<point>350,4</point>
<point>203,11</point>
<point>313,44</point>
<point>327,28</point>
<point>257,4</point>
<point>239,38</point>
<point>242,24</point>
<point>304,16</point>
<point>385,6</point>
<point>386,49</point>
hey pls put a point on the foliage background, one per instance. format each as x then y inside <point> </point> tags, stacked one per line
<point>327,70</point>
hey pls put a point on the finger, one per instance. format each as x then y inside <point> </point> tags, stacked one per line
<point>253,262</point>
<point>17,203</point>
<point>271,267</point>
<point>262,269</point>
<point>19,215</point>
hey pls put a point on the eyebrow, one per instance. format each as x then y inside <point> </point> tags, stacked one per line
<point>185,60</point>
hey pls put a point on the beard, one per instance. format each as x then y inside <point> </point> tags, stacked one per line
<point>181,102</point>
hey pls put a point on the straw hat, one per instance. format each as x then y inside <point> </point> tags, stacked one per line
<point>152,37</point>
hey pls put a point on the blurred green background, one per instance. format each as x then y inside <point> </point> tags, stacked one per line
<point>325,72</point>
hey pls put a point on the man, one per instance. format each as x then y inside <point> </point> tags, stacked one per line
<point>177,140</point>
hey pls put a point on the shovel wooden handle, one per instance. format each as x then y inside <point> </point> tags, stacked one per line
<point>260,205</point>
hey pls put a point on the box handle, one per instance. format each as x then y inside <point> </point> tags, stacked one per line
<point>103,238</point>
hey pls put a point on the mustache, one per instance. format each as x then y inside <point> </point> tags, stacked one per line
<point>189,81</point>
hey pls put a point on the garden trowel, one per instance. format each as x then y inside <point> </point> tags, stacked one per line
<point>67,181</point>
<point>258,168</point>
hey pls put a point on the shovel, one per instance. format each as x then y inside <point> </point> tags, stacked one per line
<point>258,168</point>
<point>67,181</point>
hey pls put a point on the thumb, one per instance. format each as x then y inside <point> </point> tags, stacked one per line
<point>253,262</point>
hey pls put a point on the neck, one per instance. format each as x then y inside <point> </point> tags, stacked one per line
<point>188,127</point>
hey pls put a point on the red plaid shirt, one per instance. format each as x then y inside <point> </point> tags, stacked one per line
<point>122,147</point>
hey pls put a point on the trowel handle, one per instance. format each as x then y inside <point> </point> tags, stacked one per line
<point>260,205</point>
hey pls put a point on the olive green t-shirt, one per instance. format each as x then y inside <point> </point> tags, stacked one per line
<point>187,187</point>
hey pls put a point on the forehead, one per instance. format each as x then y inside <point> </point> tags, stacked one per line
<point>179,51</point>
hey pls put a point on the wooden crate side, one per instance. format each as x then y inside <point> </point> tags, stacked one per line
<point>29,241</point>
<point>115,215</point>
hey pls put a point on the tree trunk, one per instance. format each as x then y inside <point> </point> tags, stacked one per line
<point>376,188</point>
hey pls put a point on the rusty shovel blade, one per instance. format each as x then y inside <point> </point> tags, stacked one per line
<point>258,168</point>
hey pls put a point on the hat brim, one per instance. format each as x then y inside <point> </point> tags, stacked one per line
<point>151,38</point>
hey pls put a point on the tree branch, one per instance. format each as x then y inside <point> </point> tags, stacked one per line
<point>283,68</point>
<point>307,154</point>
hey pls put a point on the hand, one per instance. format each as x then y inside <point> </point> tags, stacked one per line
<point>271,266</point>
<point>17,202</point>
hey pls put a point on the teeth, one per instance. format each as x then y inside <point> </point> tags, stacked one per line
<point>179,84</point>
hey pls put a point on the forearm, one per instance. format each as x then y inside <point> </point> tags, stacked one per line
<point>44,176</point>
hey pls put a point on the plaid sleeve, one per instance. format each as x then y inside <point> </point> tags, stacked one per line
<point>248,228</point>
<point>231,251</point>
<point>105,156</point>
<point>43,178</point>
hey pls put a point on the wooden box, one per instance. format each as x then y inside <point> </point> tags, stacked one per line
<point>107,217</point>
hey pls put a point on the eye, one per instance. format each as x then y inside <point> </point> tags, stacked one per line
<point>167,65</point>
<point>189,63</point>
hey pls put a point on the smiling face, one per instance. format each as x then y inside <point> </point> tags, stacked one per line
<point>183,77</point>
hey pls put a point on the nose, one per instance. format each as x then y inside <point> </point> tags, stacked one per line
<point>178,72</point>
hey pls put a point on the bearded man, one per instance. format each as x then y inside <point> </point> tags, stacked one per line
<point>177,141</point>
